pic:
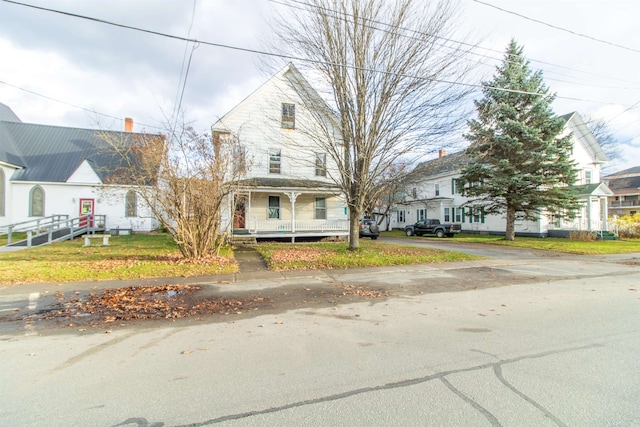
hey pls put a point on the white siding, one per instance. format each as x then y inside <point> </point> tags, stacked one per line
<point>64,199</point>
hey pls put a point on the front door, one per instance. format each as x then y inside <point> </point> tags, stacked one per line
<point>239,214</point>
<point>86,208</point>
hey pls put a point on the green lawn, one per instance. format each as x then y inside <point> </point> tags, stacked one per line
<point>15,237</point>
<point>594,247</point>
<point>319,256</point>
<point>126,257</point>
<point>155,255</point>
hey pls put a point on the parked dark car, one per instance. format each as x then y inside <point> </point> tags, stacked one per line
<point>369,228</point>
<point>432,226</point>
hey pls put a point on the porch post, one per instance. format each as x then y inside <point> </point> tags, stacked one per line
<point>292,197</point>
<point>604,209</point>
<point>247,212</point>
<point>589,213</point>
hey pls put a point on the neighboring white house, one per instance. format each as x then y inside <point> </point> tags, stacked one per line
<point>287,188</point>
<point>52,170</point>
<point>434,193</point>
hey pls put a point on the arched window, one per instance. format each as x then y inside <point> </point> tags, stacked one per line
<point>2,185</point>
<point>131,202</point>
<point>36,201</point>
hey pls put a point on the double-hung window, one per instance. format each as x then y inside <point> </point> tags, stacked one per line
<point>421,214</point>
<point>321,208</point>
<point>274,207</point>
<point>275,159</point>
<point>288,116</point>
<point>402,216</point>
<point>321,164</point>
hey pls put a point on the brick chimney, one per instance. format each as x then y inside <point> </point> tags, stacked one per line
<point>128,124</point>
<point>442,153</point>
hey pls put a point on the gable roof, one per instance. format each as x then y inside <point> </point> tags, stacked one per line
<point>297,81</point>
<point>447,164</point>
<point>53,153</point>
<point>583,133</point>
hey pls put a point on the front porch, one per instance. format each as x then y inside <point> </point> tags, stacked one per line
<point>288,209</point>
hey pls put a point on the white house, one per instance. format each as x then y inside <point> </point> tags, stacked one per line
<point>287,188</point>
<point>434,193</point>
<point>60,171</point>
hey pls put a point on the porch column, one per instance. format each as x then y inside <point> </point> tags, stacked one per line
<point>604,209</point>
<point>589,213</point>
<point>292,197</point>
<point>247,213</point>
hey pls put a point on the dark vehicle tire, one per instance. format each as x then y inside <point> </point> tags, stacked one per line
<point>374,237</point>
<point>450,235</point>
<point>440,234</point>
<point>408,232</point>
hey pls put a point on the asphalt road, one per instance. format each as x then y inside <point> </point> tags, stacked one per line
<point>528,339</point>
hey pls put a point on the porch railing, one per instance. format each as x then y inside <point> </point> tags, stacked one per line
<point>624,204</point>
<point>284,226</point>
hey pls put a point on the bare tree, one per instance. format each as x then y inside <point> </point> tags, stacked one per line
<point>184,181</point>
<point>389,68</point>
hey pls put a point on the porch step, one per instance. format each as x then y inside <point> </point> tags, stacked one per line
<point>243,240</point>
<point>606,235</point>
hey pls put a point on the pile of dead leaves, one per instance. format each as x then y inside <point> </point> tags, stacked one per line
<point>363,291</point>
<point>148,302</point>
<point>298,254</point>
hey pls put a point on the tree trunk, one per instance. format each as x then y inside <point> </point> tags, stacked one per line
<point>510,233</point>
<point>354,230</point>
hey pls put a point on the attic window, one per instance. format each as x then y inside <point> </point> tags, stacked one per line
<point>288,116</point>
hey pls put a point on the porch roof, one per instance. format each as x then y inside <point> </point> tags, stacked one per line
<point>596,189</point>
<point>288,184</point>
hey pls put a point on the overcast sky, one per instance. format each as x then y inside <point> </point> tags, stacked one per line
<point>61,70</point>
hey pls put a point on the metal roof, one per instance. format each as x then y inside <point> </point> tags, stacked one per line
<point>53,153</point>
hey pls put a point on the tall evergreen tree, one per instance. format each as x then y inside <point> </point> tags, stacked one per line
<point>521,164</point>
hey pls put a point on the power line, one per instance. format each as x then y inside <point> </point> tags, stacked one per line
<point>279,55</point>
<point>310,6</point>
<point>69,104</point>
<point>558,28</point>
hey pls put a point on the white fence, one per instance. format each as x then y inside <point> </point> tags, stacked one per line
<point>282,226</point>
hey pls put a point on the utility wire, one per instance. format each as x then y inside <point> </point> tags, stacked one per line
<point>178,102</point>
<point>70,105</point>
<point>284,56</point>
<point>310,7</point>
<point>586,36</point>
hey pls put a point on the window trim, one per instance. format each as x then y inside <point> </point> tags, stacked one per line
<point>275,161</point>
<point>31,200</point>
<point>320,209</point>
<point>288,119</point>
<point>131,209</point>
<point>321,164</point>
<point>270,207</point>
<point>2,193</point>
